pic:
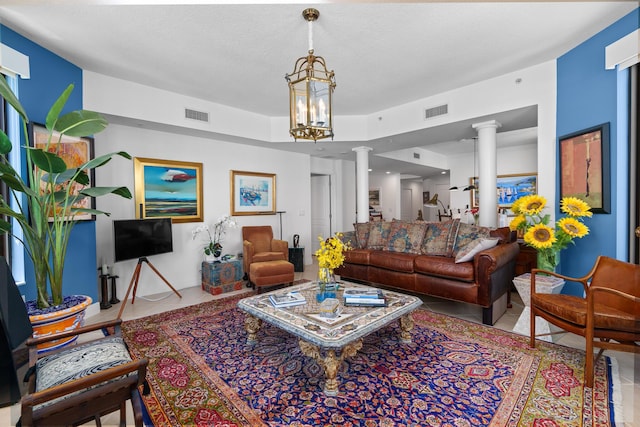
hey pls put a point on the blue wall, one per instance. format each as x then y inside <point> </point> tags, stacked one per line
<point>589,95</point>
<point>50,75</point>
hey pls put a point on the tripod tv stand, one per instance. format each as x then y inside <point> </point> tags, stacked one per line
<point>134,283</point>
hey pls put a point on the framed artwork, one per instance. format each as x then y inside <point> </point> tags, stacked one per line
<point>426,196</point>
<point>509,188</point>
<point>584,167</point>
<point>374,199</point>
<point>253,193</point>
<point>168,188</point>
<point>75,151</point>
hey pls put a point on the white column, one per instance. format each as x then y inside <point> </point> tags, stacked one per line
<point>487,172</point>
<point>362,183</point>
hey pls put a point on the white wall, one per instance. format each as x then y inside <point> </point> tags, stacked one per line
<point>182,267</point>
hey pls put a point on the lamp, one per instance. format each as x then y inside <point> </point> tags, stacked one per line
<point>433,203</point>
<point>454,188</point>
<point>472,186</point>
<point>310,88</point>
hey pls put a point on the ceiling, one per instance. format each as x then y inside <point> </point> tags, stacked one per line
<point>384,54</point>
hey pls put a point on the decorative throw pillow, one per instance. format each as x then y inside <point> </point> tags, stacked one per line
<point>467,233</point>
<point>472,248</point>
<point>362,234</point>
<point>378,234</point>
<point>438,239</point>
<point>406,236</point>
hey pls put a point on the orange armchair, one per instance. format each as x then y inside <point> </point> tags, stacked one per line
<point>608,316</point>
<point>258,245</point>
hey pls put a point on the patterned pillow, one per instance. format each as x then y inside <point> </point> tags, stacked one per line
<point>438,239</point>
<point>378,234</point>
<point>362,234</point>
<point>406,236</point>
<point>467,252</point>
<point>467,233</point>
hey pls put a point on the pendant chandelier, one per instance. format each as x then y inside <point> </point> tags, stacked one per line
<point>310,88</point>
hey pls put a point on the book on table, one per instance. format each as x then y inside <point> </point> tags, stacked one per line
<point>364,297</point>
<point>288,299</point>
<point>363,293</point>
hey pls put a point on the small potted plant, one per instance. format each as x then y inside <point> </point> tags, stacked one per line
<point>48,197</point>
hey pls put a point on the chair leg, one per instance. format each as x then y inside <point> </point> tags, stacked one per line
<point>532,329</point>
<point>123,414</point>
<point>136,403</point>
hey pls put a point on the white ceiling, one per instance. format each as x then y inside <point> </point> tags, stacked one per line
<point>384,53</point>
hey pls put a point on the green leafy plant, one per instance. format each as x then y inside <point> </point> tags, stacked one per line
<point>47,199</point>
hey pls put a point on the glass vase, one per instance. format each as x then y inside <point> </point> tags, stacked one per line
<point>548,259</point>
<point>326,284</point>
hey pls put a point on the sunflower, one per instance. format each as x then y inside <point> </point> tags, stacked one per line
<point>573,227</point>
<point>540,236</point>
<point>575,207</point>
<point>515,207</point>
<point>532,205</point>
<point>517,222</point>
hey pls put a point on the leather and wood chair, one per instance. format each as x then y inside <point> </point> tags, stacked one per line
<point>265,259</point>
<point>608,316</point>
<point>69,386</point>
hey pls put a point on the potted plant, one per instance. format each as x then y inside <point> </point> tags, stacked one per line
<point>49,195</point>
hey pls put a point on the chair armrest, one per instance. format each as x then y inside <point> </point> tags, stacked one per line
<point>115,323</point>
<point>280,246</point>
<point>248,250</point>
<point>594,289</point>
<point>581,280</point>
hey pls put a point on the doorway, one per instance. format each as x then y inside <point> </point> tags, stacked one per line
<point>320,209</point>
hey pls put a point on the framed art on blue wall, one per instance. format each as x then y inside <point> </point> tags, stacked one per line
<point>253,193</point>
<point>584,167</point>
<point>168,188</point>
<point>75,151</point>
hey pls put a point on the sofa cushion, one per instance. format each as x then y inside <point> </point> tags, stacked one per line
<point>467,252</point>
<point>468,233</point>
<point>378,234</point>
<point>444,267</point>
<point>406,237</point>
<point>396,261</point>
<point>357,256</point>
<point>362,234</point>
<point>438,239</point>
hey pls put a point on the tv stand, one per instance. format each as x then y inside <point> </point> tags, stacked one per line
<point>134,283</point>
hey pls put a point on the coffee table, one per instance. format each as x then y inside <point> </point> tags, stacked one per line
<point>328,340</point>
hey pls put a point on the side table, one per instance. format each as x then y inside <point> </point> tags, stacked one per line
<point>544,285</point>
<point>224,276</point>
<point>296,257</point>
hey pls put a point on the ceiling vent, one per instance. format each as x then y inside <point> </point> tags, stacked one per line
<point>201,116</point>
<point>416,155</point>
<point>440,110</point>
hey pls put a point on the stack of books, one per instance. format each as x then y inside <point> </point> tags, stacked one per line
<point>364,297</point>
<point>288,299</point>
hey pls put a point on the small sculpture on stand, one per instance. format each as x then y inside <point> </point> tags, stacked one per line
<point>104,291</point>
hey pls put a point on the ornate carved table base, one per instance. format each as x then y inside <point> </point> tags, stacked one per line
<point>252,325</point>
<point>330,362</point>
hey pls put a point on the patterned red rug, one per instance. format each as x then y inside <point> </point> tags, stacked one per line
<point>454,373</point>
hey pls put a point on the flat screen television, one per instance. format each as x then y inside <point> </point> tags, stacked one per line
<point>139,238</point>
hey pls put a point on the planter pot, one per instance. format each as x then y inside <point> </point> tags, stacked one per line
<point>66,317</point>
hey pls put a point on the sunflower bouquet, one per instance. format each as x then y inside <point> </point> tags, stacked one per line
<point>546,238</point>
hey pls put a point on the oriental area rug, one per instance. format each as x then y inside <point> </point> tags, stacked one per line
<point>453,373</point>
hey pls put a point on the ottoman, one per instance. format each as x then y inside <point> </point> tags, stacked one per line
<point>270,273</point>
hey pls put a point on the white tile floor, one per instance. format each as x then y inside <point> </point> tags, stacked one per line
<point>628,364</point>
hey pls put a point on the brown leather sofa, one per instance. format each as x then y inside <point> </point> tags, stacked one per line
<point>408,265</point>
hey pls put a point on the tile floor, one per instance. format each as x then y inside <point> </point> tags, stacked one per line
<point>628,364</point>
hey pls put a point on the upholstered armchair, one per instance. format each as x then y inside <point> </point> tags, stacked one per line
<point>608,316</point>
<point>69,386</point>
<point>259,246</point>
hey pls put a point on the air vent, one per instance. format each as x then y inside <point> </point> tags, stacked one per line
<point>416,155</point>
<point>196,115</point>
<point>436,111</point>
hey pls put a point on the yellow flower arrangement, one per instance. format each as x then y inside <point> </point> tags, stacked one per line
<point>547,239</point>
<point>330,255</point>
